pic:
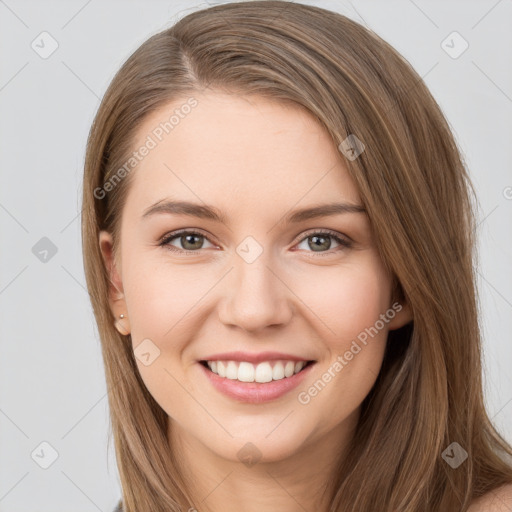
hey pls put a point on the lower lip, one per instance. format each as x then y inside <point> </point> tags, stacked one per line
<point>256,392</point>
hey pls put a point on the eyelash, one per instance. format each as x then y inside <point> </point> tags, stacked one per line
<point>166,239</point>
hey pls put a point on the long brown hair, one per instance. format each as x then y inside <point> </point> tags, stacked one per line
<point>414,185</point>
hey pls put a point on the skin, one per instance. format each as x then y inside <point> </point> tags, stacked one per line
<point>255,160</point>
<point>498,500</point>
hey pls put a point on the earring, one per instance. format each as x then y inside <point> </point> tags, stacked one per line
<point>119,326</point>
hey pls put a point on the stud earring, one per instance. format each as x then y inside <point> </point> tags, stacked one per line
<point>120,327</point>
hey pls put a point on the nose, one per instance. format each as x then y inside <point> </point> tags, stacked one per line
<point>257,296</point>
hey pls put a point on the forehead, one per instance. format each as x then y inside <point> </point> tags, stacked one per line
<point>238,150</point>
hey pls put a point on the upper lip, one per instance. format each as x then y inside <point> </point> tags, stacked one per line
<point>254,357</point>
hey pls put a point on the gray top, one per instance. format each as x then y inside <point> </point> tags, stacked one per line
<point>119,507</point>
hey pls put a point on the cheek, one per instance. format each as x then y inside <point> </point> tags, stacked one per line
<point>350,303</point>
<point>345,301</point>
<point>162,297</point>
<point>160,301</point>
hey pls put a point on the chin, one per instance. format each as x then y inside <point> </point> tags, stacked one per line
<point>263,445</point>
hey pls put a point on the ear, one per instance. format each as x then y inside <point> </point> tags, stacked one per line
<point>116,292</point>
<point>403,315</point>
<point>401,307</point>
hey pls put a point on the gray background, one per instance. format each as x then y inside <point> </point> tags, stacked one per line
<point>52,385</point>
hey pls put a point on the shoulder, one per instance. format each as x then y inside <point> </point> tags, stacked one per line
<point>497,500</point>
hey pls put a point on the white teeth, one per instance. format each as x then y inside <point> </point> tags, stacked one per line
<point>289,369</point>
<point>245,372</point>
<point>278,372</point>
<point>232,371</point>
<point>262,372</point>
<point>221,369</point>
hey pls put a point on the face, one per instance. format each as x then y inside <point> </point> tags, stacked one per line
<point>261,286</point>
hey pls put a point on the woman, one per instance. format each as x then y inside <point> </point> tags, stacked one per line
<point>278,238</point>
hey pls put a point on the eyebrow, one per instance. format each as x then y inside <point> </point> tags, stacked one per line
<point>212,213</point>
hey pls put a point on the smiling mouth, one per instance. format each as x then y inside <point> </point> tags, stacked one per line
<point>266,371</point>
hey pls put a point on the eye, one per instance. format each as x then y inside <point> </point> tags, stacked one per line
<point>191,241</point>
<point>321,240</point>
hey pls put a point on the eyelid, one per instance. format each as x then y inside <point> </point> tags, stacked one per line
<point>325,231</point>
